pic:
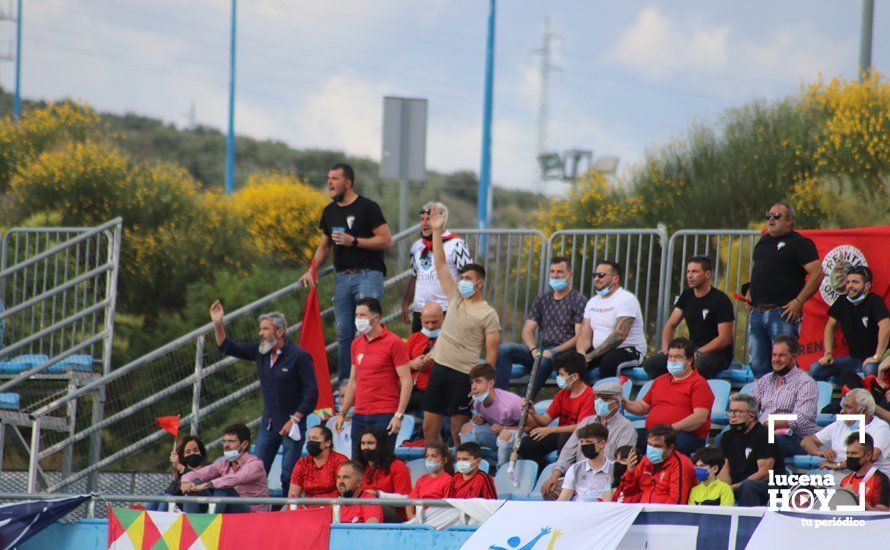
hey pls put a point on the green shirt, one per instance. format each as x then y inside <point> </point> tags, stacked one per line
<point>712,493</point>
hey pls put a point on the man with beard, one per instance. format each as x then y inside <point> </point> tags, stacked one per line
<point>749,454</point>
<point>785,273</point>
<point>788,390</point>
<point>865,322</point>
<point>349,485</point>
<point>355,227</point>
<point>423,285</point>
<point>287,381</point>
<point>709,318</point>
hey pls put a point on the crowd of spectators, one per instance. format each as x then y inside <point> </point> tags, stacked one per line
<point>454,367</point>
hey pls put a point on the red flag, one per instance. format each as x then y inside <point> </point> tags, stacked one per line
<point>840,249</point>
<point>312,340</point>
<point>169,424</point>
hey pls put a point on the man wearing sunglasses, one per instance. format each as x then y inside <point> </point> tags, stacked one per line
<point>612,332</point>
<point>786,272</point>
<point>423,285</point>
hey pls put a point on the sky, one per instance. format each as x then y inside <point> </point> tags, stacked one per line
<point>629,75</point>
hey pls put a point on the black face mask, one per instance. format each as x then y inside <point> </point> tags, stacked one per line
<point>192,461</point>
<point>618,470</point>
<point>784,371</point>
<point>854,463</point>
<point>369,454</point>
<point>313,448</point>
<point>589,450</point>
<point>740,427</point>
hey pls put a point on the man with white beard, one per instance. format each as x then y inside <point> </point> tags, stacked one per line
<point>287,381</point>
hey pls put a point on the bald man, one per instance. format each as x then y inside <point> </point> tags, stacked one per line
<point>419,345</point>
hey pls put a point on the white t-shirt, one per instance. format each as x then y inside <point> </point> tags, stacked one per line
<point>602,314</point>
<point>588,484</point>
<point>427,286</point>
<point>835,436</point>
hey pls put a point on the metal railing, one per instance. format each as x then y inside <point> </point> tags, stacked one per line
<point>640,252</point>
<point>730,252</point>
<point>59,290</point>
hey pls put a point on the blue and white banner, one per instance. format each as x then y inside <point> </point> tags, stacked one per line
<point>521,525</point>
<point>820,530</point>
<point>20,521</point>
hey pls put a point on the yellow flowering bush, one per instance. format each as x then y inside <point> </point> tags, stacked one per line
<point>281,214</point>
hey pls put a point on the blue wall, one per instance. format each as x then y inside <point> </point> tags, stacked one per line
<point>93,534</point>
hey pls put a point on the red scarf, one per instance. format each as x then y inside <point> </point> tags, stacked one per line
<point>428,241</point>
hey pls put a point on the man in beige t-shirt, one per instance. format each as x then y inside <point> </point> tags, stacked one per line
<point>470,327</point>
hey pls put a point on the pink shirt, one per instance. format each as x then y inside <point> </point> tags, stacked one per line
<point>505,409</point>
<point>249,480</point>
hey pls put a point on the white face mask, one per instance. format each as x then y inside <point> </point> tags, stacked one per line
<point>232,455</point>
<point>362,325</point>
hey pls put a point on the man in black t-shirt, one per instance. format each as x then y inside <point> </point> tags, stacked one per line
<point>864,319</point>
<point>749,454</point>
<point>785,274</point>
<point>354,226</point>
<point>710,319</point>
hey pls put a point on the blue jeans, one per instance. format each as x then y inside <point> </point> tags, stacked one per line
<point>824,372</point>
<point>267,444</point>
<point>764,328</point>
<point>753,492</point>
<point>348,289</point>
<point>361,422</point>
<point>789,445</point>
<point>481,434</point>
<point>195,508</point>
<point>518,353</point>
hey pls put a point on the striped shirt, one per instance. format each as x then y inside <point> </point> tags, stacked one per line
<point>795,393</point>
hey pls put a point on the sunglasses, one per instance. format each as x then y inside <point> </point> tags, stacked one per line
<point>425,211</point>
<point>600,274</point>
<point>774,216</point>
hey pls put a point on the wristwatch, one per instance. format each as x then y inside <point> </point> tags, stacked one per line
<point>399,415</point>
<point>355,242</point>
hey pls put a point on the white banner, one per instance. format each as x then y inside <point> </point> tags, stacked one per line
<point>819,530</point>
<point>539,525</point>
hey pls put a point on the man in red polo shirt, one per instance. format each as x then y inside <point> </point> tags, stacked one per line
<point>380,379</point>
<point>419,346</point>
<point>681,399</point>
<point>662,476</point>
<point>859,459</point>
<point>349,485</point>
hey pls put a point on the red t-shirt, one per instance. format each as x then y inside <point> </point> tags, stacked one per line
<point>318,482</point>
<point>419,344</point>
<point>571,410</point>
<point>877,487</point>
<point>428,486</point>
<point>480,485</point>
<point>398,480</point>
<point>361,514</point>
<point>673,400</point>
<point>670,484</point>
<point>377,385</point>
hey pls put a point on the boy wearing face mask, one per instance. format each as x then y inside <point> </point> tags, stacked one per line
<point>571,404</point>
<point>663,475</point>
<point>710,490</point>
<point>469,481</point>
<point>495,409</point>
<point>590,479</point>
<point>433,484</point>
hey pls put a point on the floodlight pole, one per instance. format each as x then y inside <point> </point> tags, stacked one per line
<point>483,212</point>
<point>17,100</point>
<point>230,139</point>
<point>868,16</point>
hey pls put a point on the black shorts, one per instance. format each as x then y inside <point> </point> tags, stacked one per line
<point>447,392</point>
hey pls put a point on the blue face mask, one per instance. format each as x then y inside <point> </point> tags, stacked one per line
<point>433,466</point>
<point>562,382</point>
<point>480,398</point>
<point>854,427</point>
<point>558,284</point>
<point>603,291</point>
<point>676,367</point>
<point>702,474</point>
<point>602,407</point>
<point>857,300</point>
<point>654,454</point>
<point>466,288</point>
<point>431,334</point>
<point>232,455</point>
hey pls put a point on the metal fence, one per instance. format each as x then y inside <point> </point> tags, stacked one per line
<point>640,252</point>
<point>730,252</point>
